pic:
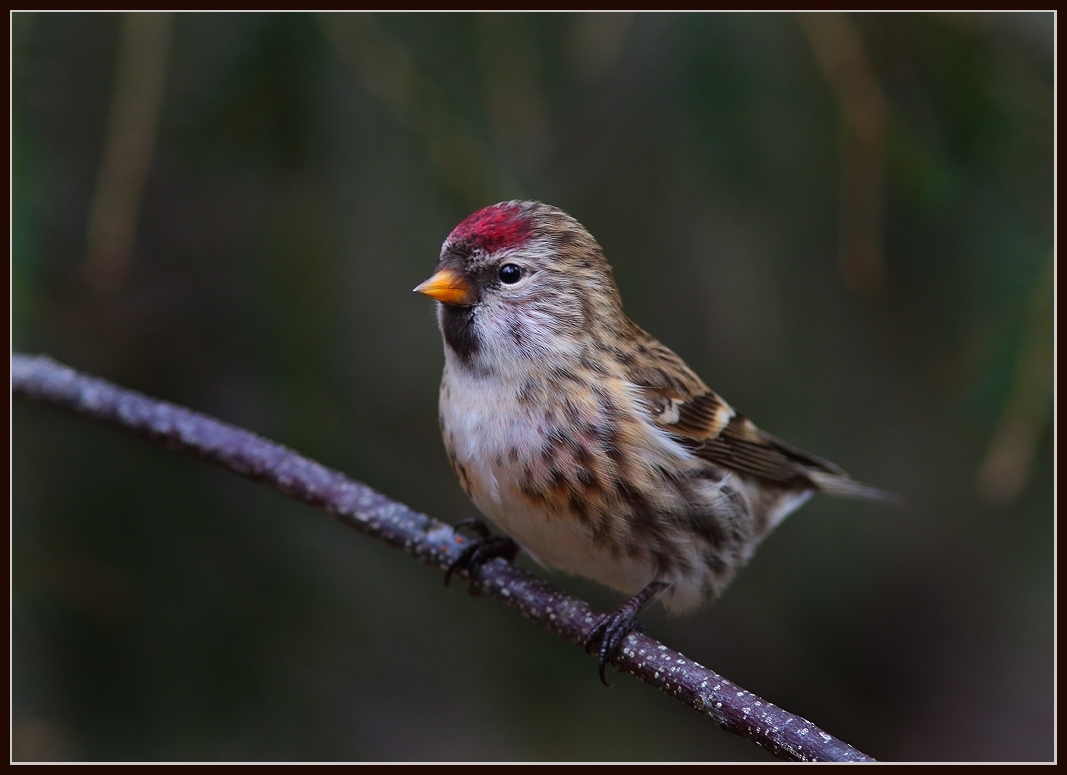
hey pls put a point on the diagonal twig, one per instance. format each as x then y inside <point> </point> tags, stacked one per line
<point>435,543</point>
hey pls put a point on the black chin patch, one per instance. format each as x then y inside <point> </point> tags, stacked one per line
<point>457,325</point>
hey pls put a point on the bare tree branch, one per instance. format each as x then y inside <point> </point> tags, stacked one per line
<point>435,543</point>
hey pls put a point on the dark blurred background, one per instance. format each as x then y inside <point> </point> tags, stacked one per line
<point>842,222</point>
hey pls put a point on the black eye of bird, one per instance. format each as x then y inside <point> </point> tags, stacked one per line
<point>510,274</point>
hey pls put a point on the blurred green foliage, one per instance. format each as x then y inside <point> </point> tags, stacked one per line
<point>304,171</point>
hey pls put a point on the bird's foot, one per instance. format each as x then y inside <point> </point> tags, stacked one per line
<point>610,632</point>
<point>480,551</point>
<point>613,628</point>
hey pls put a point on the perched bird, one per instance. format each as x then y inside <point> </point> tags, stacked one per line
<point>584,439</point>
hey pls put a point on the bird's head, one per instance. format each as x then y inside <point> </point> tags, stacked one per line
<point>521,280</point>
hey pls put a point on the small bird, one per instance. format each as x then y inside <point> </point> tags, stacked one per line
<point>590,444</point>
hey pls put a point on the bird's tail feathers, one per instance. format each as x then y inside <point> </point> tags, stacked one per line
<point>835,484</point>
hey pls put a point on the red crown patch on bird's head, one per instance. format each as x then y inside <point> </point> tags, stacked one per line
<point>493,228</point>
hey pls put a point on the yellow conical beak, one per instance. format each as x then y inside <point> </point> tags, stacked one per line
<point>448,286</point>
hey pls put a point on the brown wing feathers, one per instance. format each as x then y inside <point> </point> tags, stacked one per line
<point>684,406</point>
<point>717,433</point>
<point>744,447</point>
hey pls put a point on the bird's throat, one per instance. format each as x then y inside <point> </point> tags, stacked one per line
<point>457,326</point>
